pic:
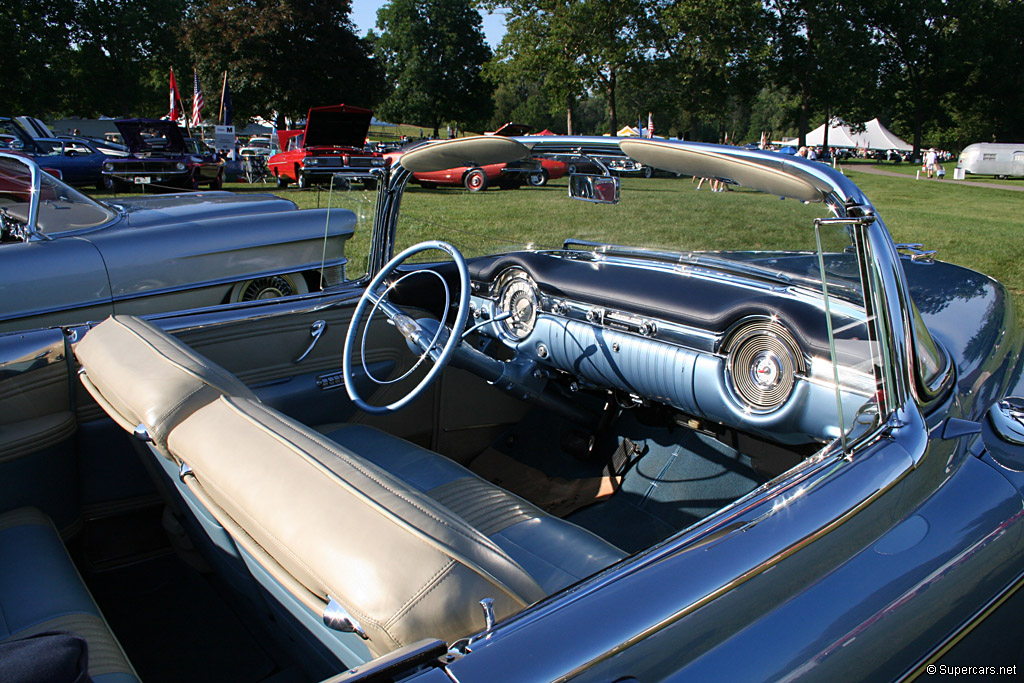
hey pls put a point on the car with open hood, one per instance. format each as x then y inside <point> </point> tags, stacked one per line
<point>161,157</point>
<point>67,258</point>
<point>610,429</point>
<point>332,145</point>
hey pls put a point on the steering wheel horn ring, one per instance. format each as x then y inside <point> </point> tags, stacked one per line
<point>374,298</point>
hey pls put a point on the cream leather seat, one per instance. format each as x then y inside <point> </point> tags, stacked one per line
<point>364,537</point>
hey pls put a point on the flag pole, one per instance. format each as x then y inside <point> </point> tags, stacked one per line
<point>220,114</point>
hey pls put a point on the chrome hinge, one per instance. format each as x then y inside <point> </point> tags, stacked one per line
<point>916,252</point>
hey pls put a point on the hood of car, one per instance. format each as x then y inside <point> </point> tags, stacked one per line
<point>339,125</point>
<point>179,208</point>
<point>513,129</point>
<point>151,136</point>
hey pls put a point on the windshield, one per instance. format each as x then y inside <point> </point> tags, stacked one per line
<point>766,251</point>
<point>61,208</point>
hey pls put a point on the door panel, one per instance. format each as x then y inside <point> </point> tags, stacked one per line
<point>37,459</point>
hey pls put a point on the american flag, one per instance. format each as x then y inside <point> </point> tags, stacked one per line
<point>650,124</point>
<point>197,101</point>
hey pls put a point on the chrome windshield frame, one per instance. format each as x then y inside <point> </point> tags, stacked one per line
<point>35,185</point>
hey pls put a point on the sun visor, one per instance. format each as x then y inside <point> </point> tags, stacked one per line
<point>772,176</point>
<point>475,151</point>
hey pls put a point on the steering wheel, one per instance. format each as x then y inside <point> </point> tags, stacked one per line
<point>431,343</point>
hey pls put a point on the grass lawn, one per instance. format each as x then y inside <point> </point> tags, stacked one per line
<point>977,227</point>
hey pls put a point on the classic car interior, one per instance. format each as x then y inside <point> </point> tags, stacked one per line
<point>451,443</point>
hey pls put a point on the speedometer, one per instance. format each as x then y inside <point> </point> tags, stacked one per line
<point>519,299</point>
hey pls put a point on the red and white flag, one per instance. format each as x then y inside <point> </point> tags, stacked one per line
<point>176,111</point>
<point>650,124</point>
<point>197,101</point>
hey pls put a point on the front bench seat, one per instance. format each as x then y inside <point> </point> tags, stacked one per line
<point>336,531</point>
<point>41,591</point>
<point>556,553</point>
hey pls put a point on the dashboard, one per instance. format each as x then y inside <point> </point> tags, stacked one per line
<point>740,351</point>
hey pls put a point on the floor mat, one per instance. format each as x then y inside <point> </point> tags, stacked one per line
<point>555,495</point>
<point>175,627</point>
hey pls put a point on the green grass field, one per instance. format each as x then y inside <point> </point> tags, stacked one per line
<point>977,227</point>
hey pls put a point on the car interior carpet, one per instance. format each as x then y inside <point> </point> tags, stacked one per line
<point>655,480</point>
<point>175,626</point>
<point>683,477</point>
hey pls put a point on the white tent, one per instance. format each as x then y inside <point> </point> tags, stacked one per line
<point>875,136</point>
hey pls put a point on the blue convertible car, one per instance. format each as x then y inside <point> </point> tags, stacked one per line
<point>594,440</point>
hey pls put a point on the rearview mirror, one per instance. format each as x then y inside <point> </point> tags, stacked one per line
<point>600,189</point>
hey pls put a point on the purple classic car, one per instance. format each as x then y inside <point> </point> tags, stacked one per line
<point>547,440</point>
<point>162,158</point>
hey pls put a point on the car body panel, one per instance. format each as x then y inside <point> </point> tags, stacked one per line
<point>161,253</point>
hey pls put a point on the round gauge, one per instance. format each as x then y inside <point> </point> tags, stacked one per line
<point>518,297</point>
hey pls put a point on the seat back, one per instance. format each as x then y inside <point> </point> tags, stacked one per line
<point>341,535</point>
<point>142,375</point>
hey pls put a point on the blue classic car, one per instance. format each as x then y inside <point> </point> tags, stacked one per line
<point>67,259</point>
<point>76,160</point>
<point>593,440</point>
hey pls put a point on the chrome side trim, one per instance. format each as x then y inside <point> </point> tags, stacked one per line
<point>965,630</point>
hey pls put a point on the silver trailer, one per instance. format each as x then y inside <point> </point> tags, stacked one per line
<point>989,158</point>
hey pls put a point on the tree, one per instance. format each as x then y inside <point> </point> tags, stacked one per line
<point>434,51</point>
<point>824,54</point>
<point>128,44</point>
<point>572,47</point>
<point>35,55</point>
<point>915,38</point>
<point>708,55</point>
<point>283,55</point>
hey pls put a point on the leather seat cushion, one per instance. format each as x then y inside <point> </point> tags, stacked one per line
<point>143,375</point>
<point>401,564</point>
<point>41,591</point>
<point>554,552</point>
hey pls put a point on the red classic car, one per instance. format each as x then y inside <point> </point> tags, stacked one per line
<point>331,145</point>
<point>507,176</point>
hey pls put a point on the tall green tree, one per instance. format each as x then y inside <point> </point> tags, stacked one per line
<point>434,52</point>
<point>128,44</point>
<point>824,54</point>
<point>283,55</point>
<point>917,42</point>
<point>572,47</point>
<point>34,55</point>
<point>709,55</point>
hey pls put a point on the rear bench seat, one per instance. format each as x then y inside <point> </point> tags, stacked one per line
<point>41,591</point>
<point>368,533</point>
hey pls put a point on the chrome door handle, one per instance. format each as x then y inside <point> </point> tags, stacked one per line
<point>315,330</point>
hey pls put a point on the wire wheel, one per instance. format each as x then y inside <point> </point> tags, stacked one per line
<point>270,287</point>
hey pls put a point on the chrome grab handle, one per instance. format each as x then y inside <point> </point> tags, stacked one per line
<point>315,330</point>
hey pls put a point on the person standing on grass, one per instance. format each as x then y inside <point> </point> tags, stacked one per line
<point>931,161</point>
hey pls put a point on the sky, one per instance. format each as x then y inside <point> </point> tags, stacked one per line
<point>364,16</point>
